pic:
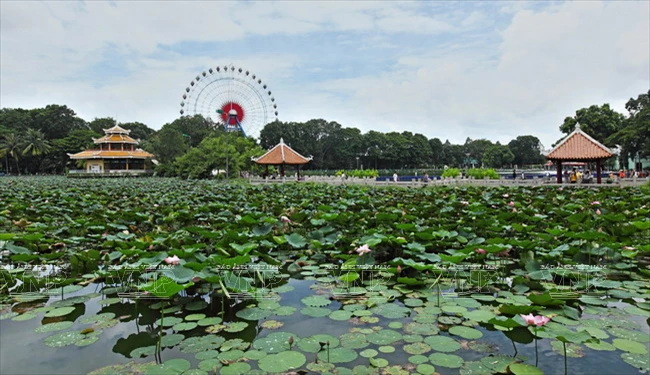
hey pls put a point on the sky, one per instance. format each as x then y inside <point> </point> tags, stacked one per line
<point>452,70</point>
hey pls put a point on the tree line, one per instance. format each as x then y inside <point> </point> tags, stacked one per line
<point>38,141</point>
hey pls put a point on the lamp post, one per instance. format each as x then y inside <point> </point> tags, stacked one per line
<point>357,162</point>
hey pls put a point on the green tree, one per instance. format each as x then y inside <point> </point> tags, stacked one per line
<point>12,145</point>
<point>600,122</point>
<point>138,130</point>
<point>634,136</point>
<point>168,144</point>
<point>497,156</point>
<point>56,121</point>
<point>437,152</point>
<point>199,162</point>
<point>76,141</point>
<point>527,150</point>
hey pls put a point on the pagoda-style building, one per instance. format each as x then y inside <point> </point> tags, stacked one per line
<point>115,152</point>
<point>579,147</point>
<point>282,155</point>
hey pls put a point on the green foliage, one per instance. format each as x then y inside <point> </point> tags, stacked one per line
<point>526,150</point>
<point>481,173</point>
<point>359,173</point>
<point>600,122</point>
<point>199,162</point>
<point>451,172</point>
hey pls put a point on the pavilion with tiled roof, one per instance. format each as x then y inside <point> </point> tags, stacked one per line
<point>282,155</point>
<point>116,151</point>
<point>581,147</point>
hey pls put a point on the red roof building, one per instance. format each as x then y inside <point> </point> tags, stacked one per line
<point>579,147</point>
<point>116,151</point>
<point>282,155</point>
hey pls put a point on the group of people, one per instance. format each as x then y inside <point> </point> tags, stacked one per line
<point>574,176</point>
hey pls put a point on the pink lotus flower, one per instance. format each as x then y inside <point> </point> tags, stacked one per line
<point>503,253</point>
<point>598,212</point>
<point>480,251</point>
<point>285,219</point>
<point>399,269</point>
<point>104,234</point>
<point>196,279</point>
<point>363,250</point>
<point>538,320</point>
<point>511,204</point>
<point>505,195</point>
<point>628,248</point>
<point>594,203</point>
<point>464,203</point>
<point>172,260</point>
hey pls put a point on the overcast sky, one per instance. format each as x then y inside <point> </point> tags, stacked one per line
<point>489,69</point>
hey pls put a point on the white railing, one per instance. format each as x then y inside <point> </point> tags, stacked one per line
<point>111,172</point>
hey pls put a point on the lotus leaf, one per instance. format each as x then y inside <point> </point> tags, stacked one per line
<point>446,360</point>
<point>283,361</point>
<point>466,332</point>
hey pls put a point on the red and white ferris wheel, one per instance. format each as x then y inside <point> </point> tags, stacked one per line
<point>232,96</point>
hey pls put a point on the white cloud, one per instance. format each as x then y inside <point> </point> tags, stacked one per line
<point>446,70</point>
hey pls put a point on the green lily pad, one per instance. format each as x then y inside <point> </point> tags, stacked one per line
<point>109,301</point>
<point>378,362</point>
<point>255,355</point>
<point>274,342</point>
<point>418,359</point>
<point>143,352</point>
<point>94,319</point>
<point>368,353</point>
<point>601,345</point>
<point>281,362</point>
<point>483,316</point>
<point>24,316</point>
<point>524,369</point>
<point>446,360</point>
<point>185,326</point>
<point>314,344</point>
<point>61,311</point>
<point>442,343</point>
<point>171,340</point>
<point>196,306</point>
<point>236,369</point>
<point>413,302</point>
<point>475,368</point>
<point>316,301</point>
<point>630,346</point>
<point>253,313</point>
<point>417,328</point>
<point>231,356</point>
<point>168,321</point>
<point>640,361</point>
<point>384,337</point>
<point>321,367</point>
<point>63,339</point>
<point>285,310</point>
<point>208,354</point>
<point>209,321</point>
<point>210,365</point>
<point>453,309</point>
<point>195,317</point>
<point>391,311</point>
<point>572,350</point>
<point>125,369</point>
<point>201,343</point>
<point>395,325</point>
<point>236,327</point>
<point>315,312</point>
<point>498,363</point>
<point>386,349</point>
<point>466,332</point>
<point>637,336</point>
<point>88,340</point>
<point>417,348</point>
<point>338,355</point>
<point>482,347</point>
<point>340,315</point>
<point>271,324</point>
<point>425,369</point>
<point>353,340</point>
<point>52,327</point>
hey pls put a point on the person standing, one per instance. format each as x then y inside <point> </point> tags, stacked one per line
<point>395,177</point>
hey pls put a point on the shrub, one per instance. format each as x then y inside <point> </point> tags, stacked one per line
<point>359,173</point>
<point>481,173</point>
<point>451,172</point>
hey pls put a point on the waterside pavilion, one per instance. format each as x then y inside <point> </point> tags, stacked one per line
<point>579,147</point>
<point>282,155</point>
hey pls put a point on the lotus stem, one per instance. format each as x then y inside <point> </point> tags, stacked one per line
<point>565,367</point>
<point>328,351</point>
<point>514,346</point>
<point>536,355</point>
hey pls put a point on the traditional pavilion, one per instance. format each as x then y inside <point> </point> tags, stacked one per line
<point>115,152</point>
<point>282,155</point>
<point>579,147</point>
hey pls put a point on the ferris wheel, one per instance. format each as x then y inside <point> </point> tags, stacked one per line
<point>234,97</point>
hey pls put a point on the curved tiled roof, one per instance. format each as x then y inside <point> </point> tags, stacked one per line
<point>116,138</point>
<point>281,154</point>
<point>106,154</point>
<point>579,146</point>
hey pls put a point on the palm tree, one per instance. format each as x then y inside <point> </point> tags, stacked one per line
<point>35,144</point>
<point>11,145</point>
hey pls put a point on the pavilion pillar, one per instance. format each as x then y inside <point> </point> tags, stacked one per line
<point>282,170</point>
<point>127,164</point>
<point>598,178</point>
<point>298,172</point>
<point>559,171</point>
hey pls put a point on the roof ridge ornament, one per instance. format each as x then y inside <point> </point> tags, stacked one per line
<point>577,126</point>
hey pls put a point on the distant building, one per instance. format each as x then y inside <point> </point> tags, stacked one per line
<point>115,152</point>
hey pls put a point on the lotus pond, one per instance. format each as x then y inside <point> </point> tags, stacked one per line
<point>162,276</point>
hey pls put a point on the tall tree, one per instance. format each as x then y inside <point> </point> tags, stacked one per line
<point>634,136</point>
<point>600,122</point>
<point>527,150</point>
<point>12,145</point>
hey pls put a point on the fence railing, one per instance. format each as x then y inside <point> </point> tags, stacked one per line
<point>445,181</point>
